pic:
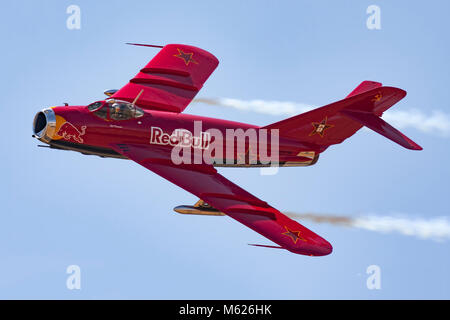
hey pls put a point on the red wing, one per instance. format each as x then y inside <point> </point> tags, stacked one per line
<point>206,183</point>
<point>171,79</point>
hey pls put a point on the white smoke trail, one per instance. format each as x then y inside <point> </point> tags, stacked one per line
<point>437,228</point>
<point>436,122</point>
<point>273,108</point>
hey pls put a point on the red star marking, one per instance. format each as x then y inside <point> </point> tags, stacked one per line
<point>320,127</point>
<point>294,235</point>
<point>186,57</point>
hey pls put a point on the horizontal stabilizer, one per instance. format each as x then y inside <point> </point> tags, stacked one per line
<point>377,124</point>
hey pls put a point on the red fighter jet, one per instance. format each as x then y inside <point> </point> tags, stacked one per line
<point>143,121</point>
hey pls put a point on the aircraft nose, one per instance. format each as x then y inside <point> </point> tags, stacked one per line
<point>44,125</point>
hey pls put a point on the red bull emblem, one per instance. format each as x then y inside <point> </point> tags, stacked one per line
<point>180,137</point>
<point>69,132</point>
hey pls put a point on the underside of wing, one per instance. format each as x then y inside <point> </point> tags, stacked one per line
<point>206,183</point>
<point>171,79</point>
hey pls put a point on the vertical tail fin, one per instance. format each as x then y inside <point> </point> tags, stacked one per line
<point>363,87</point>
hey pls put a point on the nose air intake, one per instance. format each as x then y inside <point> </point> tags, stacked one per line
<point>39,123</point>
<point>44,125</point>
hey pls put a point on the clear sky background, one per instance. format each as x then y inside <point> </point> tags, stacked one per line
<point>114,218</point>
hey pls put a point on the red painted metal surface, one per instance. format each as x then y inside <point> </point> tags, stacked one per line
<point>165,86</point>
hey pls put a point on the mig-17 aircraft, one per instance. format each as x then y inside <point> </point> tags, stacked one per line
<point>144,122</point>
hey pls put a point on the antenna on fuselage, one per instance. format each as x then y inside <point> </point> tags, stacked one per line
<point>137,97</point>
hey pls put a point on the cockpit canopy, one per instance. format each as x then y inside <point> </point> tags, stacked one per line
<point>112,109</point>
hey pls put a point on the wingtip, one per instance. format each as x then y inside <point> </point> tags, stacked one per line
<point>411,145</point>
<point>416,147</point>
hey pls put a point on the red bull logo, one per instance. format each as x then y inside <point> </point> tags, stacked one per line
<point>180,137</point>
<point>69,132</point>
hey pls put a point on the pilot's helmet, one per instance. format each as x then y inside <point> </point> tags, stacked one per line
<point>118,108</point>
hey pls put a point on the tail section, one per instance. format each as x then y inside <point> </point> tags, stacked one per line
<point>334,123</point>
<point>363,87</point>
<point>382,127</point>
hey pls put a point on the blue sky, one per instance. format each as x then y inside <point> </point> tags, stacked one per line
<point>114,219</point>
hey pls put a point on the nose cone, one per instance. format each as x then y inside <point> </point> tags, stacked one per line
<point>44,125</point>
